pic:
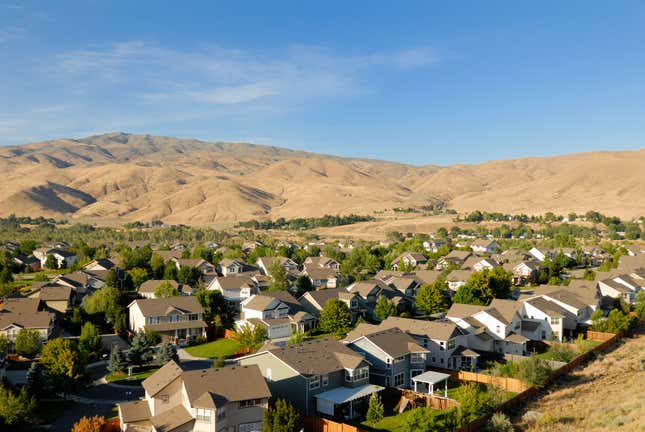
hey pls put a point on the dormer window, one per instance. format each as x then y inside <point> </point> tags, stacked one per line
<point>203,414</point>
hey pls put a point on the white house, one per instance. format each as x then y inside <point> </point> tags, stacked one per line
<point>484,246</point>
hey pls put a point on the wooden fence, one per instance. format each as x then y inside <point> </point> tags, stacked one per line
<point>436,402</point>
<point>319,424</point>
<point>508,384</point>
<point>599,336</point>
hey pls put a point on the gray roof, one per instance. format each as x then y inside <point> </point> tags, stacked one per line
<point>55,292</point>
<point>437,329</point>
<point>151,285</point>
<point>160,306</point>
<point>24,312</point>
<point>210,388</point>
<point>394,342</point>
<point>135,411</point>
<point>160,379</point>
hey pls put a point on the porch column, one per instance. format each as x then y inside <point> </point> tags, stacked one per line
<point>351,409</point>
<point>432,388</point>
<point>445,388</point>
<point>415,385</point>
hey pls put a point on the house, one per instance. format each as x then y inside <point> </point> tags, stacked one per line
<point>368,292</point>
<point>409,260</point>
<point>501,321</point>
<point>595,256</point>
<point>57,298</point>
<point>321,262</point>
<point>30,262</point>
<point>265,263</point>
<point>479,264</point>
<point>394,357</point>
<point>554,320</point>
<point>83,281</point>
<point>580,297</point>
<point>167,255</point>
<point>445,342</point>
<point>524,272</point>
<point>24,313</point>
<point>314,301</point>
<point>319,377</point>
<point>486,246</point>
<point>249,246</point>
<point>99,264</point>
<point>541,254</point>
<point>63,258</point>
<point>454,258</point>
<point>458,278</point>
<point>229,267</point>
<point>147,289</point>
<point>204,266</point>
<point>222,399</point>
<point>266,311</point>
<point>175,319</point>
<point>234,289</point>
<point>433,245</point>
<point>322,277</point>
<point>625,286</point>
<point>301,320</point>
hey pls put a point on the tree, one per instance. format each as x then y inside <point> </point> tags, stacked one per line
<point>117,361</point>
<point>282,417</point>
<point>473,403</point>
<point>483,286</point>
<point>296,338</point>
<point>639,305</point>
<point>534,370</point>
<point>384,308</point>
<point>249,335</point>
<point>421,419</point>
<point>28,343</point>
<point>213,303</point>
<point>189,275</point>
<point>375,410</point>
<point>279,279</point>
<point>89,342</point>
<point>166,353</point>
<point>303,284</point>
<point>166,289</point>
<point>105,301</point>
<point>51,262</point>
<point>140,352</point>
<point>63,363</point>
<point>6,276</point>
<point>157,266</point>
<point>89,424</point>
<point>37,380</point>
<point>335,318</point>
<point>16,410</point>
<point>432,298</point>
<point>3,344</point>
<point>138,275</point>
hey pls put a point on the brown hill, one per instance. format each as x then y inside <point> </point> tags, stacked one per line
<point>142,177</point>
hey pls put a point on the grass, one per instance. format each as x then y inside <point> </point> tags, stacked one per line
<point>396,422</point>
<point>218,348</point>
<point>135,379</point>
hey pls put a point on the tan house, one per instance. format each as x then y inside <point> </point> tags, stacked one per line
<point>175,319</point>
<point>56,297</point>
<point>24,313</point>
<point>147,289</point>
<point>230,399</point>
<point>409,259</point>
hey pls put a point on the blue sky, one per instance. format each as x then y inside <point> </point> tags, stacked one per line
<point>417,82</point>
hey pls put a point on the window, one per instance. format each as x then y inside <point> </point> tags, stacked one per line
<point>164,399</point>
<point>555,321</point>
<point>425,342</point>
<point>451,344</point>
<point>357,374</point>
<point>399,359</point>
<point>399,379</point>
<point>417,357</point>
<point>442,346</point>
<point>314,382</point>
<point>251,427</point>
<point>203,414</point>
<point>154,320</point>
<point>325,380</point>
<point>415,372</point>
<point>250,403</point>
<point>498,329</point>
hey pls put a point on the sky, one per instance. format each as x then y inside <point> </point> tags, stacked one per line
<point>423,82</point>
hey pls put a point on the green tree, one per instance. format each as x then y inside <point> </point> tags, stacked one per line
<point>170,271</point>
<point>166,353</point>
<point>484,286</point>
<point>140,351</point>
<point>117,361</point>
<point>249,335</point>
<point>16,410</point>
<point>534,370</point>
<point>189,275</point>
<point>303,284</point>
<point>89,342</point>
<point>37,381</point>
<point>296,338</point>
<point>28,343</point>
<point>6,277</point>
<point>138,276</point>
<point>375,410</point>
<point>500,422</point>
<point>473,403</point>
<point>157,266</point>
<point>384,308</point>
<point>63,363</point>
<point>639,305</point>
<point>421,419</point>
<point>279,279</point>
<point>104,301</point>
<point>166,289</point>
<point>282,417</point>
<point>335,318</point>
<point>433,298</point>
<point>51,262</point>
<point>213,303</point>
<point>3,344</point>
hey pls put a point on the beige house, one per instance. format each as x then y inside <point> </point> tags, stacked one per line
<point>24,313</point>
<point>56,297</point>
<point>230,399</point>
<point>176,319</point>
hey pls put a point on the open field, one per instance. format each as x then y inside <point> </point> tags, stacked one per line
<point>607,395</point>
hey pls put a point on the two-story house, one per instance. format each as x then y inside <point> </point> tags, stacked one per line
<point>394,357</point>
<point>268,312</point>
<point>265,263</point>
<point>319,377</point>
<point>175,319</point>
<point>314,301</point>
<point>229,399</point>
<point>63,258</point>
<point>228,267</point>
<point>234,289</point>
<point>24,313</point>
<point>409,260</point>
<point>625,286</point>
<point>485,246</point>
<point>454,258</point>
<point>204,266</point>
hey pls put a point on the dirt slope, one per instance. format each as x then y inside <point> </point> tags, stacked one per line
<point>142,177</point>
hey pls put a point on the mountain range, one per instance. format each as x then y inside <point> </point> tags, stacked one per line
<point>127,177</point>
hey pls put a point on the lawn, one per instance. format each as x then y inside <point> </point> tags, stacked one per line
<point>394,423</point>
<point>135,379</point>
<point>218,348</point>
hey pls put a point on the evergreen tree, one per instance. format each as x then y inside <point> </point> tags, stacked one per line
<point>89,342</point>
<point>117,361</point>
<point>283,417</point>
<point>140,352</point>
<point>303,284</point>
<point>166,353</point>
<point>157,266</point>
<point>335,318</point>
<point>51,262</point>
<point>375,410</point>
<point>37,382</point>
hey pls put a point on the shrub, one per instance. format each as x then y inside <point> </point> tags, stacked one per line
<point>28,343</point>
<point>499,422</point>
<point>375,410</point>
<point>534,370</point>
